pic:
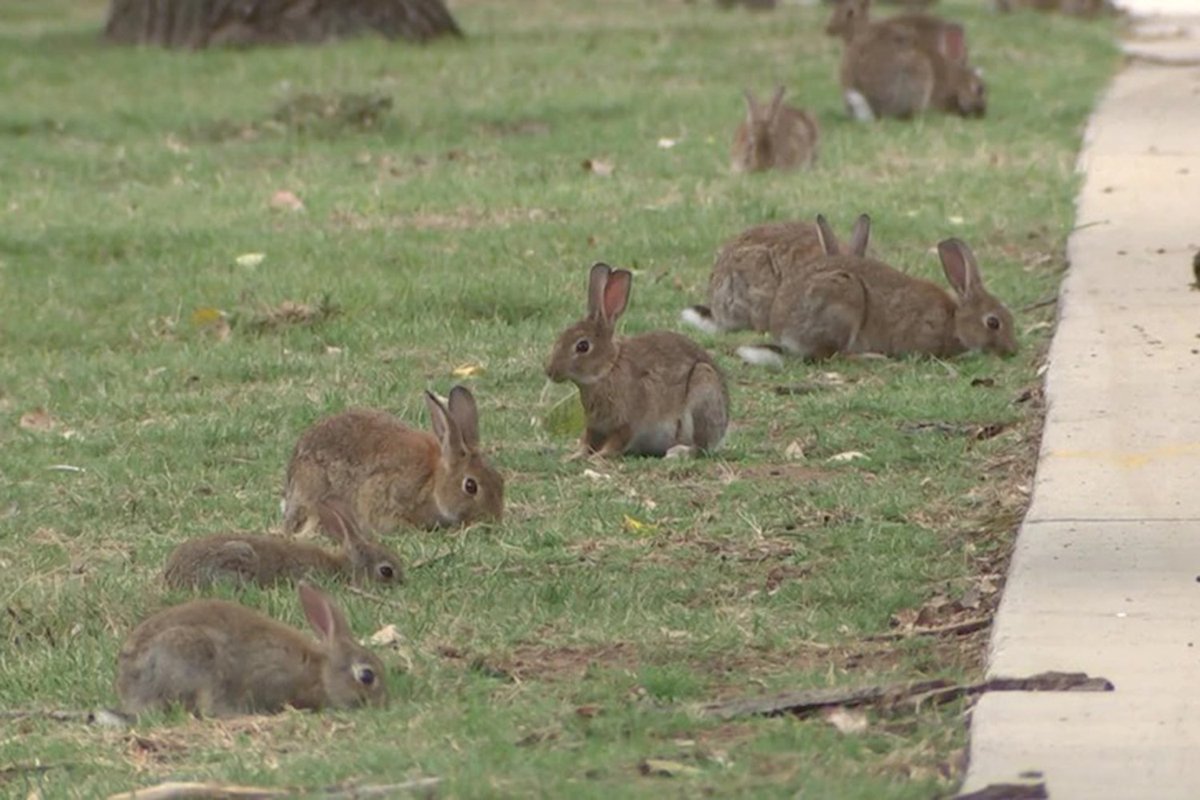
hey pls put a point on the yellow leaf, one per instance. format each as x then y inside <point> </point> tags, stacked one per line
<point>250,259</point>
<point>466,370</point>
<point>636,526</point>
<point>206,315</point>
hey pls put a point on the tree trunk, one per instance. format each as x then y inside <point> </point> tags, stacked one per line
<point>201,23</point>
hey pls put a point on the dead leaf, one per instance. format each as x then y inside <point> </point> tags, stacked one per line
<point>588,711</point>
<point>637,527</point>
<point>212,320</point>
<point>794,451</point>
<point>385,636</point>
<point>666,143</point>
<point>598,167</point>
<point>663,768</point>
<point>250,259</point>
<point>849,455</point>
<point>283,200</point>
<point>591,474</point>
<point>38,420</point>
<point>846,720</point>
<point>467,370</point>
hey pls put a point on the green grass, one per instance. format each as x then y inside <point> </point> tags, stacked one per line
<point>548,655</point>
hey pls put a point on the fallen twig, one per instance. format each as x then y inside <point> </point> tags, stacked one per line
<point>1039,304</point>
<point>812,701</point>
<point>175,790</point>
<point>961,628</point>
<point>375,597</point>
<point>1161,61</point>
<point>103,716</point>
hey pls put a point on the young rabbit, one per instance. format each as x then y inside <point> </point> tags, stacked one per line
<point>391,474</point>
<point>851,18</point>
<point>217,658</point>
<point>776,136</point>
<point>748,270</point>
<point>853,304</point>
<point>888,74</point>
<point>655,394</point>
<point>266,560</point>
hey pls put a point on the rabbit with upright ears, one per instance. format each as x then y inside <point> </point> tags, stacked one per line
<point>217,658</point>
<point>657,394</point>
<point>265,560</point>
<point>392,475</point>
<point>748,270</point>
<point>774,136</point>
<point>888,73</point>
<point>853,304</point>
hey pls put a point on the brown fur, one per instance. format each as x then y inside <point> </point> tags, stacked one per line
<point>852,18</point>
<point>749,268</point>
<point>266,560</point>
<point>853,304</point>
<point>643,395</point>
<point>774,136</point>
<point>392,475</point>
<point>218,658</point>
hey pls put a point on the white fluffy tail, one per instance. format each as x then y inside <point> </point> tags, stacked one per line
<point>858,106</point>
<point>700,317</point>
<point>761,355</point>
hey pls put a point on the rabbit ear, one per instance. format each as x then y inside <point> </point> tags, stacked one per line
<point>826,237</point>
<point>616,294</point>
<point>337,520</point>
<point>958,262</point>
<point>952,43</point>
<point>860,236</point>
<point>597,278</point>
<point>751,104</point>
<point>444,428</point>
<point>776,102</point>
<point>465,414</point>
<point>321,613</point>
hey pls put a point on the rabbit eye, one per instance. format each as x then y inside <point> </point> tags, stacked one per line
<point>582,346</point>
<point>470,486</point>
<point>364,675</point>
<point>386,572</point>
<point>993,322</point>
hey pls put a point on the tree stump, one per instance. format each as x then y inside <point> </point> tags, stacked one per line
<point>203,23</point>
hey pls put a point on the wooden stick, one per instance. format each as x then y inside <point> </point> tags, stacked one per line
<point>175,790</point>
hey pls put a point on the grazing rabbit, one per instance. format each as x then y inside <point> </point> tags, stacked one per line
<point>851,18</point>
<point>217,658</point>
<point>391,474</point>
<point>887,74</point>
<point>853,304</point>
<point>657,394</point>
<point>748,270</point>
<point>776,136</point>
<point>266,560</point>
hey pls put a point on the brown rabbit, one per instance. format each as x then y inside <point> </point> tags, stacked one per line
<point>218,658</point>
<point>776,136</point>
<point>266,560</point>
<point>851,18</point>
<point>657,394</point>
<point>859,305</point>
<point>748,270</point>
<point>393,475</point>
<point>887,74</point>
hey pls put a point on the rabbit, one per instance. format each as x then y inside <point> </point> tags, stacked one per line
<point>776,136</point>
<point>851,18</point>
<point>265,560</point>
<point>657,394</point>
<point>390,474</point>
<point>748,270</point>
<point>886,73</point>
<point>217,658</point>
<point>853,304</point>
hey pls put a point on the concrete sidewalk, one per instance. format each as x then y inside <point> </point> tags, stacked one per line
<point>1106,574</point>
